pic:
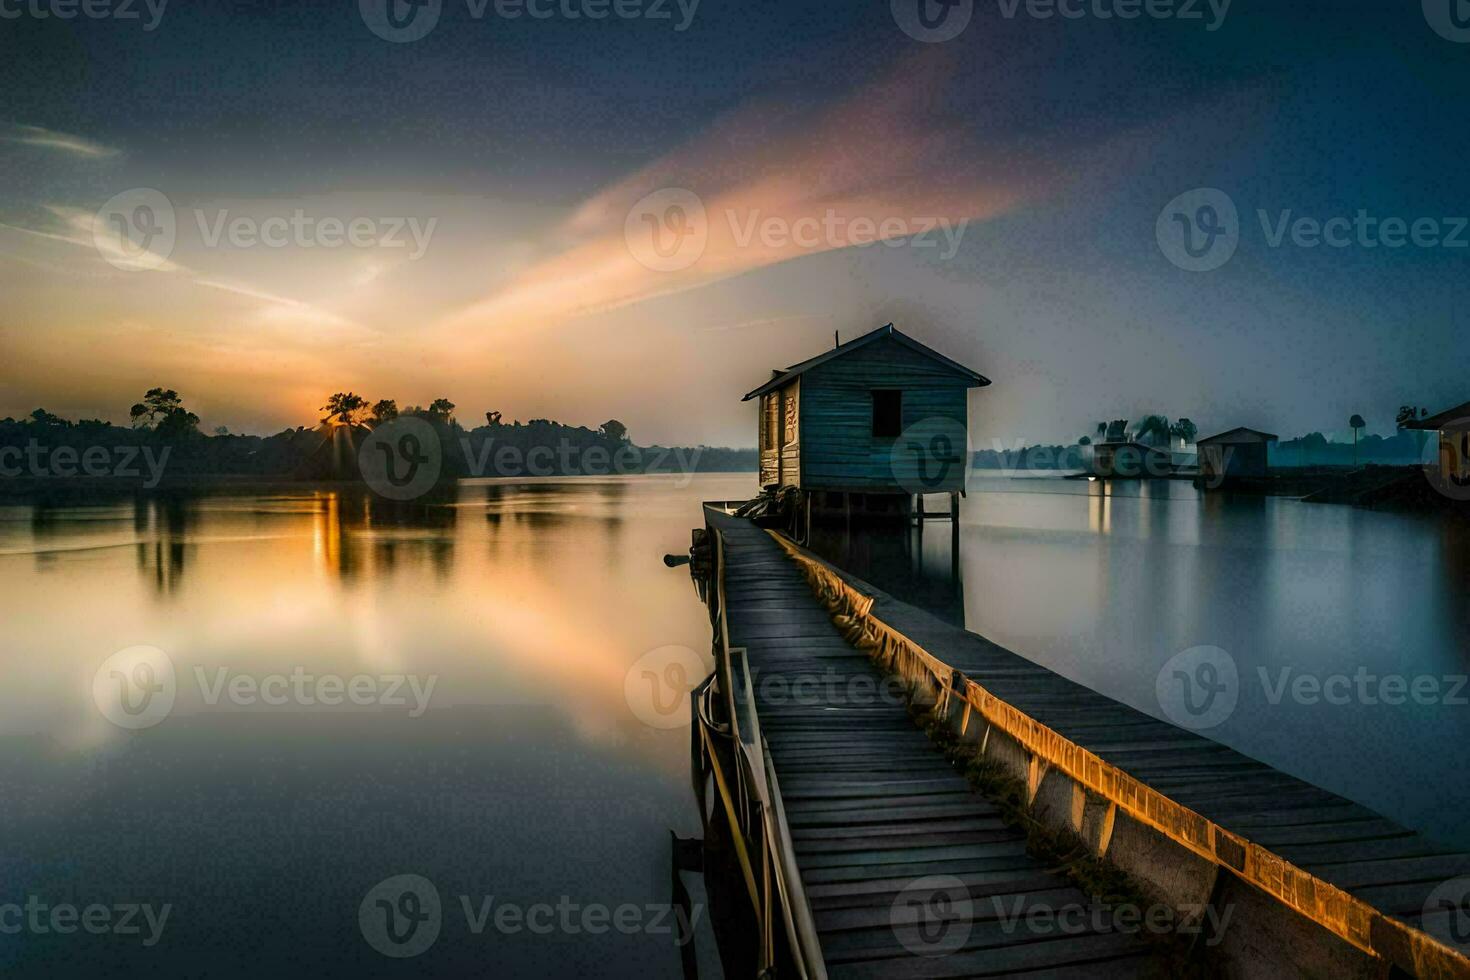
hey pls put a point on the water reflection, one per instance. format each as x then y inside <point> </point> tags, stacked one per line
<point>528,778</point>
<point>1104,582</point>
<point>163,525</point>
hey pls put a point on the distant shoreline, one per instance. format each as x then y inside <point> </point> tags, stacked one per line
<point>13,488</point>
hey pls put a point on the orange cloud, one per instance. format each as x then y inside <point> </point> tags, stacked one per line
<point>767,185</point>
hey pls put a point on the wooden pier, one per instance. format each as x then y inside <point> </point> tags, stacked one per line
<point>861,810</point>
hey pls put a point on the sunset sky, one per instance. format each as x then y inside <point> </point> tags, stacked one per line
<point>517,149</point>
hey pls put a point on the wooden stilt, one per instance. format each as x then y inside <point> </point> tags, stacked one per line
<point>954,535</point>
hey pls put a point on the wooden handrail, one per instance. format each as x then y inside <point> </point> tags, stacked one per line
<point>753,803</point>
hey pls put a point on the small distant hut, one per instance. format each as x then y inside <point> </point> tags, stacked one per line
<point>1453,426</point>
<point>829,425</point>
<point>1240,454</point>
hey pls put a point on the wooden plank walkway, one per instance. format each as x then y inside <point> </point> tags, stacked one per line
<point>1345,844</point>
<point>889,808</point>
<point>875,810</point>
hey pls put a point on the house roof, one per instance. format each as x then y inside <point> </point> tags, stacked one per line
<point>780,378</point>
<point>1435,422</point>
<point>1236,434</point>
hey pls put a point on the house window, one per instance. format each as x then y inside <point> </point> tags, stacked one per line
<point>887,414</point>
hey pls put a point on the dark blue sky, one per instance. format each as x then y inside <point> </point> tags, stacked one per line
<point>506,130</point>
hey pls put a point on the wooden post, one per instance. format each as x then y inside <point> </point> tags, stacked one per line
<point>954,533</point>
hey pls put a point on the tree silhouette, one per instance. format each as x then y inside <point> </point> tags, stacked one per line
<point>1153,427</point>
<point>1185,430</point>
<point>345,407</point>
<point>614,431</point>
<point>163,410</point>
<point>42,417</point>
<point>1356,423</point>
<point>1407,414</point>
<point>442,409</point>
<point>492,418</point>
<point>384,410</point>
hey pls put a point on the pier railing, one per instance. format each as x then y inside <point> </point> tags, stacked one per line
<point>728,746</point>
<point>1338,911</point>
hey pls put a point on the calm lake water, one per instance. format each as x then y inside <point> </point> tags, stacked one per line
<point>1106,583</point>
<point>528,779</point>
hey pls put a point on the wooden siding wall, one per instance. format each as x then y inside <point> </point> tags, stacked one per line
<point>780,417</point>
<point>791,434</point>
<point>768,454</point>
<point>839,450</point>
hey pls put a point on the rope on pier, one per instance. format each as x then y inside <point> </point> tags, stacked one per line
<point>1346,916</point>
